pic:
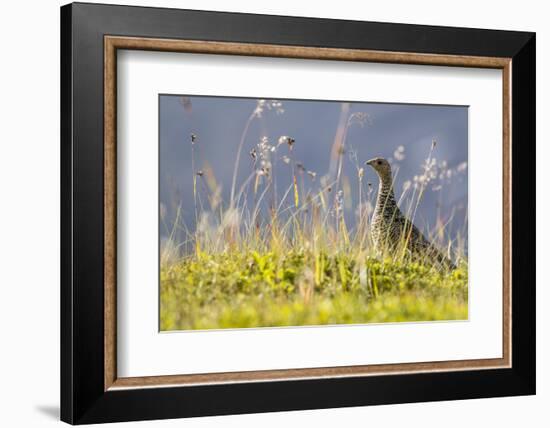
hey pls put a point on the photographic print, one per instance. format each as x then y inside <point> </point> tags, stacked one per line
<point>284,212</point>
<point>330,188</point>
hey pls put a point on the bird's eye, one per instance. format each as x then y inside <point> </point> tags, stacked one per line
<point>379,162</point>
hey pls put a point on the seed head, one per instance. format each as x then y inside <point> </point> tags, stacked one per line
<point>359,118</point>
<point>285,139</point>
<point>399,153</point>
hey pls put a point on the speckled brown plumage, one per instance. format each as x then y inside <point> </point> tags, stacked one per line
<point>391,230</point>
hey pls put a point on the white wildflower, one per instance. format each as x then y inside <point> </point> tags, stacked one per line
<point>260,105</point>
<point>462,167</point>
<point>263,151</point>
<point>399,153</point>
<point>359,118</point>
<point>276,106</point>
<point>273,105</point>
<point>285,139</point>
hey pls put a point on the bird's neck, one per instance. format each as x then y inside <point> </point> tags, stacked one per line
<point>385,192</point>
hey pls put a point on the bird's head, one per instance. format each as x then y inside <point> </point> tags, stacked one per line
<point>381,166</point>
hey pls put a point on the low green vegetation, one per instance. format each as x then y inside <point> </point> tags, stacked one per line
<point>236,290</point>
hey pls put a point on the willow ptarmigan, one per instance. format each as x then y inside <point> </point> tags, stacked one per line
<point>391,230</point>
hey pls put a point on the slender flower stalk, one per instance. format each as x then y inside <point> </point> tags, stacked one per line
<point>238,157</point>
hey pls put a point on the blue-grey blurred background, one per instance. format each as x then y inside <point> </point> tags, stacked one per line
<point>403,133</point>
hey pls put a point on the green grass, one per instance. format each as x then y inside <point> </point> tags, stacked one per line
<point>239,290</point>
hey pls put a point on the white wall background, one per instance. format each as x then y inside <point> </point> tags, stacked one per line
<point>29,214</point>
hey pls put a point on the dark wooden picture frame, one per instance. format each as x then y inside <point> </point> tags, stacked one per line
<point>90,36</point>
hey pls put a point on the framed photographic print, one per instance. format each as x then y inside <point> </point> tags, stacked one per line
<point>264,213</point>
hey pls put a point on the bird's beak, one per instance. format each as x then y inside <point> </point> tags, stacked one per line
<point>370,162</point>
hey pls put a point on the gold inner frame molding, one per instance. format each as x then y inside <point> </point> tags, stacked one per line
<point>113,43</point>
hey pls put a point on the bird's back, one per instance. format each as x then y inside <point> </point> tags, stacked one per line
<point>392,232</point>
